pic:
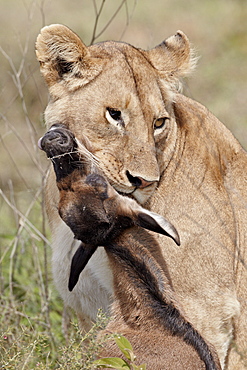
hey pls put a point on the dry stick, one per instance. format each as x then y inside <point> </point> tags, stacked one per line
<point>33,346</point>
<point>16,76</point>
<point>21,314</point>
<point>11,266</point>
<point>44,296</point>
<point>31,128</point>
<point>46,280</point>
<point>25,223</point>
<point>16,79</point>
<point>12,199</point>
<point>98,14</point>
<point>35,162</point>
<point>42,12</point>
<point>23,217</point>
<point>110,21</point>
<point>14,164</point>
<point>96,20</point>
<point>38,91</point>
<point>128,18</point>
<point>22,223</point>
<point>25,80</point>
<point>95,8</point>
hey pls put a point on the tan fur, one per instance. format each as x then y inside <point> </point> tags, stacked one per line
<point>152,343</point>
<point>197,170</point>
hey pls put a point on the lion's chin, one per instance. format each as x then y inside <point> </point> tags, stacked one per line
<point>142,195</point>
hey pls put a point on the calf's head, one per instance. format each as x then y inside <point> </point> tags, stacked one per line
<point>88,204</point>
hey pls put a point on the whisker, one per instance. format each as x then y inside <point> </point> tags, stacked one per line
<point>88,156</point>
<point>62,155</point>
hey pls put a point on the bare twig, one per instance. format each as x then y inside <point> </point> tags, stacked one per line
<point>25,146</point>
<point>128,18</point>
<point>111,20</point>
<point>95,7</point>
<point>98,13</point>
<point>42,12</point>
<point>24,217</point>
<point>12,199</point>
<point>46,279</point>
<point>14,163</point>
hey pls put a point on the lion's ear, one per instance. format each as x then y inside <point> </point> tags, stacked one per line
<point>64,58</point>
<point>174,56</point>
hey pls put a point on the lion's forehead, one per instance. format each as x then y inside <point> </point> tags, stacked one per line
<point>128,66</point>
<point>112,50</point>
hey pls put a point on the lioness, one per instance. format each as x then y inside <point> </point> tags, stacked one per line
<point>173,156</point>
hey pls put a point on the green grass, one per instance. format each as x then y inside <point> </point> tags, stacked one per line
<point>30,343</point>
<point>31,334</point>
<point>31,321</point>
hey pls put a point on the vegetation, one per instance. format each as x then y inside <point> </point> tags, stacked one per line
<point>118,363</point>
<point>32,330</point>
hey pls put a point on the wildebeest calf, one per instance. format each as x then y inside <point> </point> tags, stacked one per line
<point>145,307</point>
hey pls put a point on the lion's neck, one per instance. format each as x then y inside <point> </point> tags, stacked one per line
<point>204,147</point>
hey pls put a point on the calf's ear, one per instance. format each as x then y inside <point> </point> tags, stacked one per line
<point>79,262</point>
<point>145,218</point>
<point>154,222</point>
<point>64,58</point>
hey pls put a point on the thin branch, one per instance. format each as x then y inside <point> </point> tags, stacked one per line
<point>42,12</point>
<point>97,20</point>
<point>25,81</point>
<point>24,218</point>
<point>12,198</point>
<point>25,146</point>
<point>128,17</point>
<point>95,7</point>
<point>16,167</point>
<point>111,20</point>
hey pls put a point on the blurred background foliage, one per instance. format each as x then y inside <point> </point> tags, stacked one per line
<point>217,29</point>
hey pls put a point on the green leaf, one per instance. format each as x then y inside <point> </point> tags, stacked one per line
<point>139,367</point>
<point>122,342</point>
<point>124,346</point>
<point>112,363</point>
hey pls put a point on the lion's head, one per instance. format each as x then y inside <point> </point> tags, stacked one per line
<point>120,97</point>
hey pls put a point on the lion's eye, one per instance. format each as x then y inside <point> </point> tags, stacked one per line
<point>114,116</point>
<point>160,122</point>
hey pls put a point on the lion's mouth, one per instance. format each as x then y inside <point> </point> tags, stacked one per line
<point>139,190</point>
<point>140,195</point>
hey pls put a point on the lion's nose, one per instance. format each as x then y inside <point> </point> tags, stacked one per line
<point>137,181</point>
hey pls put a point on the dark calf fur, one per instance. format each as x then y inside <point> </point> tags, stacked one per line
<point>145,307</point>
